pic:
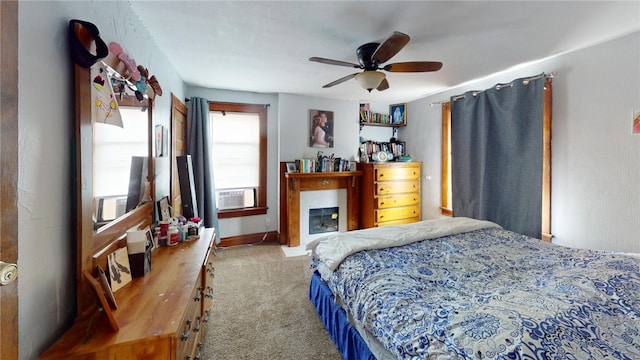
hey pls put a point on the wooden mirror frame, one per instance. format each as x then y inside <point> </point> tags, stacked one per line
<point>88,241</point>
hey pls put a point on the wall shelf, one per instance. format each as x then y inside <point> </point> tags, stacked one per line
<point>395,126</point>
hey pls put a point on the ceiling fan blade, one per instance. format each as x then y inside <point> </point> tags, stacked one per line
<point>413,66</point>
<point>341,80</point>
<point>390,47</point>
<point>334,62</point>
<point>384,85</point>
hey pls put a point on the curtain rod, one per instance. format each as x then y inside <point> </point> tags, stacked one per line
<point>265,105</point>
<point>525,81</point>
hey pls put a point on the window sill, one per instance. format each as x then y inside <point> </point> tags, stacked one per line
<point>227,214</point>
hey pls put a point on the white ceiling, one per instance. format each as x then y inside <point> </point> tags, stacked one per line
<point>264,46</point>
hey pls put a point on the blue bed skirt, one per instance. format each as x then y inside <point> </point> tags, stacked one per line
<point>345,336</point>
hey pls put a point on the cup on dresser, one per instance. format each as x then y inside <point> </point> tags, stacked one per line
<point>164,227</point>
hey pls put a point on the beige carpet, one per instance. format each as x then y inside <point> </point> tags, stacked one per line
<point>261,309</point>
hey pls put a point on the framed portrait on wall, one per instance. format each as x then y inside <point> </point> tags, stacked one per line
<point>398,114</point>
<point>321,129</point>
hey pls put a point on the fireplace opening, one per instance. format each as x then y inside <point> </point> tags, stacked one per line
<point>323,220</point>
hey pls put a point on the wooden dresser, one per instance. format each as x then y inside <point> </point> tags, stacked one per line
<point>390,193</point>
<point>162,315</point>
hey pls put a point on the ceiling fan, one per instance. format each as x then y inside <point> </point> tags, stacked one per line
<point>372,55</point>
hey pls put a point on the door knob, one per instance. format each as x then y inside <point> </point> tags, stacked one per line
<point>8,273</point>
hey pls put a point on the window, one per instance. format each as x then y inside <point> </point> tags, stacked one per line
<point>239,146</point>
<point>445,160</point>
<point>113,148</point>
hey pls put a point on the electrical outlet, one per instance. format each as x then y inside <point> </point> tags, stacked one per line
<point>267,222</point>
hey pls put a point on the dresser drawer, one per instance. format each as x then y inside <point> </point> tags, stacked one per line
<point>208,274</point>
<point>396,187</point>
<point>389,201</point>
<point>188,334</point>
<point>398,213</point>
<point>397,173</point>
<point>397,222</point>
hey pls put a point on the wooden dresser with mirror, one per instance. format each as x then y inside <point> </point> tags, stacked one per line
<point>161,315</point>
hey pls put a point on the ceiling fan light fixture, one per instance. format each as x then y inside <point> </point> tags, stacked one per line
<point>370,79</point>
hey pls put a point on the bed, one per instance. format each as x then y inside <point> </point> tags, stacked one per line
<point>459,288</point>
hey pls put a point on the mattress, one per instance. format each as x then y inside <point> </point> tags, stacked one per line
<point>482,292</point>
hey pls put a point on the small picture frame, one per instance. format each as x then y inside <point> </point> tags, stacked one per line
<point>100,295</point>
<point>164,211</point>
<point>104,283</point>
<point>291,167</point>
<point>159,140</point>
<point>398,114</point>
<point>165,141</point>
<point>150,241</point>
<point>119,269</point>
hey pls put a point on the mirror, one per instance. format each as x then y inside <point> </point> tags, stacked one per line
<point>120,164</point>
<point>115,119</point>
<point>95,101</point>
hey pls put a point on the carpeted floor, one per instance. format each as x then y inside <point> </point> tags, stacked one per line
<point>261,309</point>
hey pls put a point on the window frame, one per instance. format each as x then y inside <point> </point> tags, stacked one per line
<point>260,207</point>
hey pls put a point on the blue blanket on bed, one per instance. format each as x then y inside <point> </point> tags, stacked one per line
<point>494,294</point>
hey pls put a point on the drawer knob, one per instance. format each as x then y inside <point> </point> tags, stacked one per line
<point>197,328</point>
<point>187,330</point>
<point>185,335</point>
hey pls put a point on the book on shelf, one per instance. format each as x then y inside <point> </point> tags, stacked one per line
<point>369,147</point>
<point>369,117</point>
<point>306,166</point>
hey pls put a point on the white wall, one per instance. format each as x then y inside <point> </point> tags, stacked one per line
<point>46,235</point>
<point>595,167</point>
<point>295,127</point>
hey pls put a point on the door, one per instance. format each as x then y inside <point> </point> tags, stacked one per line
<point>178,148</point>
<point>9,174</point>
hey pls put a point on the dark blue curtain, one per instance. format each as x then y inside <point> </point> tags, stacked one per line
<point>496,155</point>
<point>199,147</point>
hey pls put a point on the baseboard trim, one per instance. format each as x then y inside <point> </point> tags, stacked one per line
<point>250,239</point>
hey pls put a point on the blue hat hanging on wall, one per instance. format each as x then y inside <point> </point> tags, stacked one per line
<point>84,38</point>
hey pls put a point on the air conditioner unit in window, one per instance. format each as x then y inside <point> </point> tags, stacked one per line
<point>236,198</point>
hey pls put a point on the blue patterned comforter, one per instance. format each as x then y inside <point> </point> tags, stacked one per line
<point>493,294</point>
